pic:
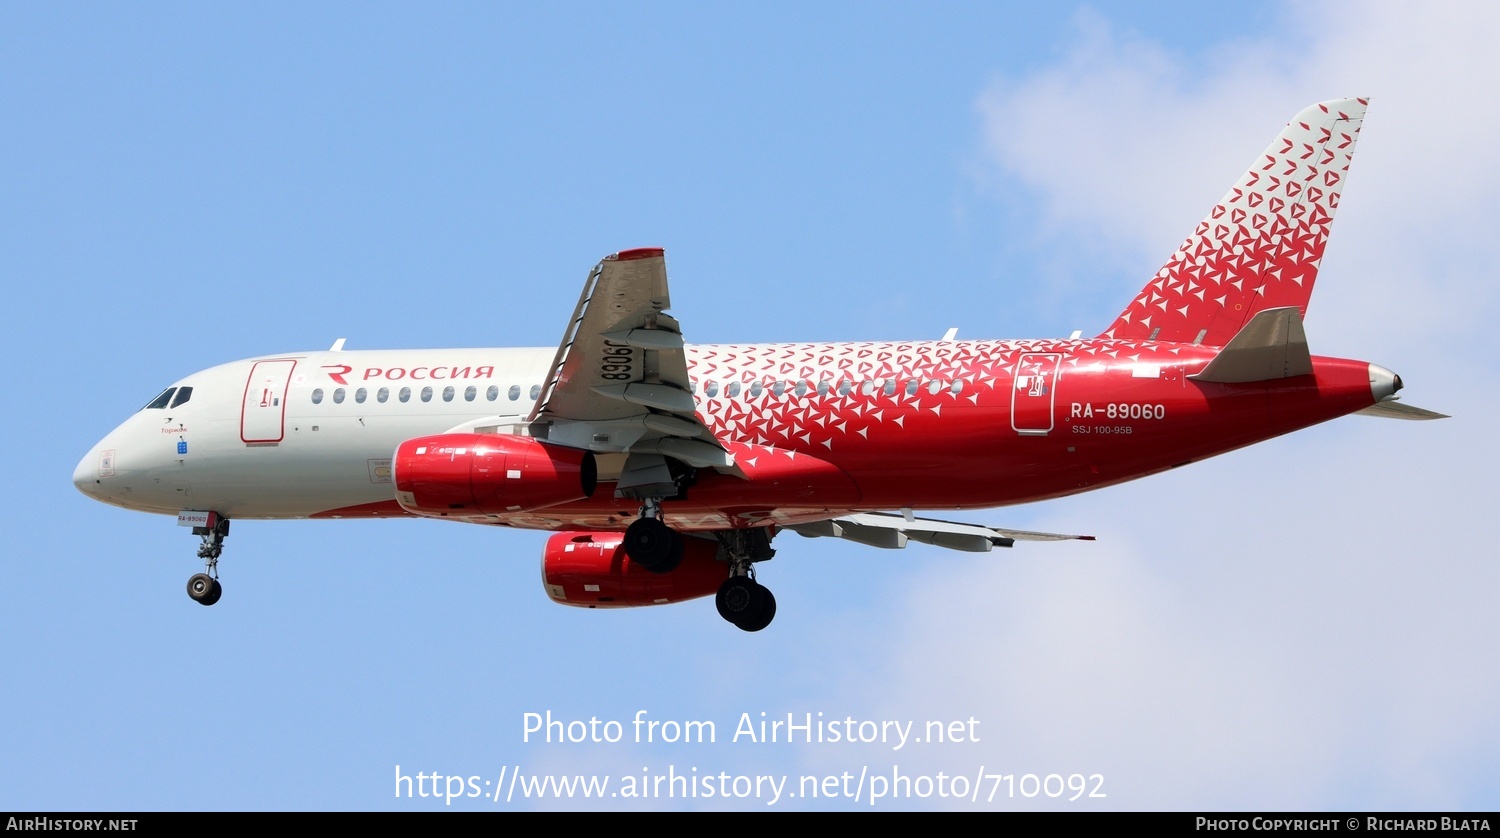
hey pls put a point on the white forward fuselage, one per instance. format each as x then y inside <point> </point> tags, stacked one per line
<point>281,437</point>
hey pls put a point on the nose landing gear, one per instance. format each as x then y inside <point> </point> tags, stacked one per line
<point>204,587</point>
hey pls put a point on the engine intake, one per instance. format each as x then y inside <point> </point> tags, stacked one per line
<point>591,570</point>
<point>476,474</point>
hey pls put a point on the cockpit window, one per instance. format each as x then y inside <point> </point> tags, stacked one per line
<point>183,394</point>
<point>161,401</point>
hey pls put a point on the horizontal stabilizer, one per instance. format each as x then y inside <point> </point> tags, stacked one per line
<point>1271,346</point>
<point>1392,409</point>
<point>879,529</point>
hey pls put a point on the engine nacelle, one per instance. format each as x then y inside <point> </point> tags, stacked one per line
<point>591,570</point>
<point>462,475</point>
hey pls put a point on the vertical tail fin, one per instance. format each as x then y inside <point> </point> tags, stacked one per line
<point>1260,247</point>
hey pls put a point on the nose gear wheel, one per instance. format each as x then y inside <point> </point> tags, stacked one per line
<point>204,587</point>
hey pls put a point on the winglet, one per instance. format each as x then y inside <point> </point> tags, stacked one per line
<point>638,253</point>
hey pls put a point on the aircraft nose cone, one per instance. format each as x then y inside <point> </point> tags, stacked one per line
<point>93,471</point>
<point>85,474</point>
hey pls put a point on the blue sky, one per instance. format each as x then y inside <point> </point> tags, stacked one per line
<point>1299,625</point>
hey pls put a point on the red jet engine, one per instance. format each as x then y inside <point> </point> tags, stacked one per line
<point>463,475</point>
<point>591,570</point>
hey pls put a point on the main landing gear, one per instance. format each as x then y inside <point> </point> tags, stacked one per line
<point>741,600</point>
<point>204,587</point>
<point>746,603</point>
<point>650,543</point>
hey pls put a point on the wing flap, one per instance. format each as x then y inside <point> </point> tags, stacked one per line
<point>660,396</point>
<point>659,339</point>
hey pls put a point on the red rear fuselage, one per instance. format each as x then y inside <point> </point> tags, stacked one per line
<point>820,428</point>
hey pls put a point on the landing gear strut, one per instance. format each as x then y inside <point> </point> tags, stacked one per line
<point>741,600</point>
<point>204,587</point>
<point>650,543</point>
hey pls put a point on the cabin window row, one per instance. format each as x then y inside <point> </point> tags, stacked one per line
<point>868,387</point>
<point>733,389</point>
<point>404,394</point>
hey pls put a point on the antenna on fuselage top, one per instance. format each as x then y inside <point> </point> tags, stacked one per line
<point>338,345</point>
<point>949,335</point>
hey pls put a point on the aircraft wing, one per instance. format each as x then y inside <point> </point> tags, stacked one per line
<point>880,529</point>
<point>619,382</point>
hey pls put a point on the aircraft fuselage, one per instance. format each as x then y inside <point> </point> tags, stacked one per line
<point>921,425</point>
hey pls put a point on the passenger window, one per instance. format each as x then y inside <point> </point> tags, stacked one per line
<point>448,393</point>
<point>824,388</point>
<point>958,387</point>
<point>470,392</point>
<point>360,395</point>
<point>426,394</point>
<point>800,389</point>
<point>338,395</point>
<point>161,401</point>
<point>536,391</point>
<point>934,386</point>
<point>890,387</point>
<point>404,395</point>
<point>492,393</point>
<point>756,388</point>
<point>382,394</point>
<point>183,394</point>
<point>712,389</point>
<point>867,387</point>
<point>911,387</point>
<point>732,390</point>
<point>777,388</point>
<point>318,396</point>
<point>845,386</point>
<point>515,392</point>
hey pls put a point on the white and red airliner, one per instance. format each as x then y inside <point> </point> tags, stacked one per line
<point>666,469</point>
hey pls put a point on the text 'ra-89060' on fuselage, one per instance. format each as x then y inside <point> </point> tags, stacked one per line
<point>666,469</point>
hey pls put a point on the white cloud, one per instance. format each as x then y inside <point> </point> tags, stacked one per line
<point>1126,145</point>
<point>1307,624</point>
<point>1256,631</point>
